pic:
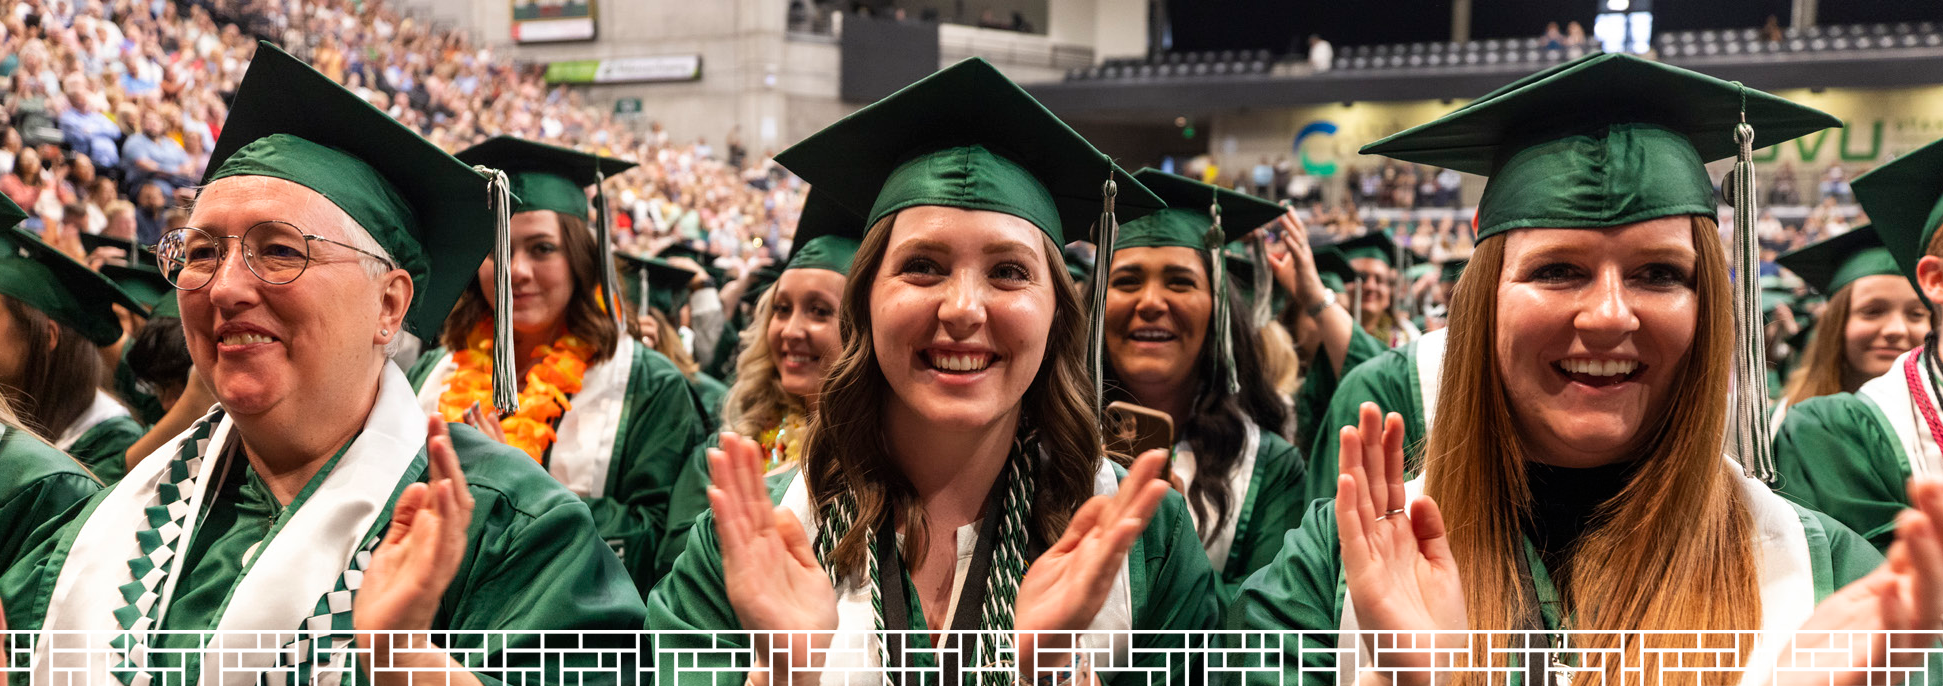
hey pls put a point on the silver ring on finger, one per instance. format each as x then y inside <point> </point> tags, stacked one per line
<point>1389,513</point>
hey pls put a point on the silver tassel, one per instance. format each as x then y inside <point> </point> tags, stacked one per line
<point>1747,424</point>
<point>1224,334</point>
<point>499,195</point>
<point>1263,309</point>
<point>1109,229</point>
<point>610,281</point>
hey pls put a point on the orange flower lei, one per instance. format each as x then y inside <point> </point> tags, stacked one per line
<point>549,384</point>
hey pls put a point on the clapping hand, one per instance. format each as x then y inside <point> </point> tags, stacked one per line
<point>1067,585</point>
<point>769,570</point>
<point>1904,595</point>
<point>416,561</point>
<point>1295,267</point>
<point>1396,559</point>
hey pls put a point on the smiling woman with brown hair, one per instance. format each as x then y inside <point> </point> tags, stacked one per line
<point>1580,466</point>
<point>954,476</point>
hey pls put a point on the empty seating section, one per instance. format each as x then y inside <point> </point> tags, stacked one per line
<point>1532,52</point>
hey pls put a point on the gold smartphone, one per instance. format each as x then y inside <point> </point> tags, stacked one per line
<point>1134,429</point>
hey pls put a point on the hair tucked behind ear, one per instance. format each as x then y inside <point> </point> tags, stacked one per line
<point>1673,551</point>
<point>846,449</point>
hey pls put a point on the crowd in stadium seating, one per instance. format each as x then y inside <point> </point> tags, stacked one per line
<point>113,106</point>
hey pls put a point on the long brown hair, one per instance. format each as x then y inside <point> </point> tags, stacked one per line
<point>1673,551</point>
<point>586,318</point>
<point>1825,362</point>
<point>845,449</point>
<point>57,384</point>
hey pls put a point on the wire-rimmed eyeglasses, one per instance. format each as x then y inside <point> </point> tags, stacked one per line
<point>276,252</point>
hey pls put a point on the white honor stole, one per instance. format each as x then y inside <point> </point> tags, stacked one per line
<point>281,583</point>
<point>1785,570</point>
<point>1429,368</point>
<point>1184,467</point>
<point>102,409</point>
<point>1897,401</point>
<point>587,434</point>
<point>853,656</point>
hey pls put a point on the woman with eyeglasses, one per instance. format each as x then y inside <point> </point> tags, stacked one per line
<point>954,476</point>
<point>1574,478</point>
<point>610,419</point>
<point>787,350</point>
<point>317,495</point>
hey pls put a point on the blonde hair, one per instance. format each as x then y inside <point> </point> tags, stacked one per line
<point>757,402</point>
<point>668,343</point>
<point>1279,361</point>
<point>1673,551</point>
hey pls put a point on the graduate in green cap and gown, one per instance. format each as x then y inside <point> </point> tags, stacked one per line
<point>786,352</point>
<point>1849,454</point>
<point>1597,303</point>
<point>960,413</point>
<point>609,418</point>
<point>1873,317</point>
<point>649,285</point>
<point>1180,342</point>
<point>38,483</point>
<point>59,317</point>
<point>318,495</point>
<point>1374,257</point>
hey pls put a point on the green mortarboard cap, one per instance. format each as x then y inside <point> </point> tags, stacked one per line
<point>826,236</point>
<point>1417,271</point>
<point>65,290</point>
<point>1904,201</point>
<point>1185,222</point>
<point>1077,266</point>
<point>760,281</point>
<point>1832,264</point>
<point>1605,140</point>
<point>665,285</point>
<point>94,241</point>
<point>545,177</point>
<point>1451,270</point>
<point>1374,245</point>
<point>548,177</point>
<point>1333,267</point>
<point>146,285</point>
<point>966,137</point>
<point>426,208</point>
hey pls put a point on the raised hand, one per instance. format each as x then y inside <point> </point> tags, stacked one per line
<point>1067,585</point>
<point>1295,267</point>
<point>413,565</point>
<point>1396,559</point>
<point>1903,595</point>
<point>770,571</point>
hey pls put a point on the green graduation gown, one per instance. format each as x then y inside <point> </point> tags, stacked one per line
<point>1269,470</point>
<point>1165,587</point>
<point>533,558</point>
<point>1401,380</point>
<point>1804,556</point>
<point>101,436</point>
<point>686,502</point>
<point>1321,383</point>
<point>709,390</point>
<point>632,425</point>
<point>38,484</point>
<point>1850,454</point>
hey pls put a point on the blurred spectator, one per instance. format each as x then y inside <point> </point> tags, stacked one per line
<point>86,130</point>
<point>1262,179</point>
<point>1771,31</point>
<point>28,184</point>
<point>1574,36</point>
<point>1784,191</point>
<point>1554,38</point>
<point>1835,185</point>
<point>1322,57</point>
<point>151,204</point>
<point>121,221</point>
<point>153,156</point>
